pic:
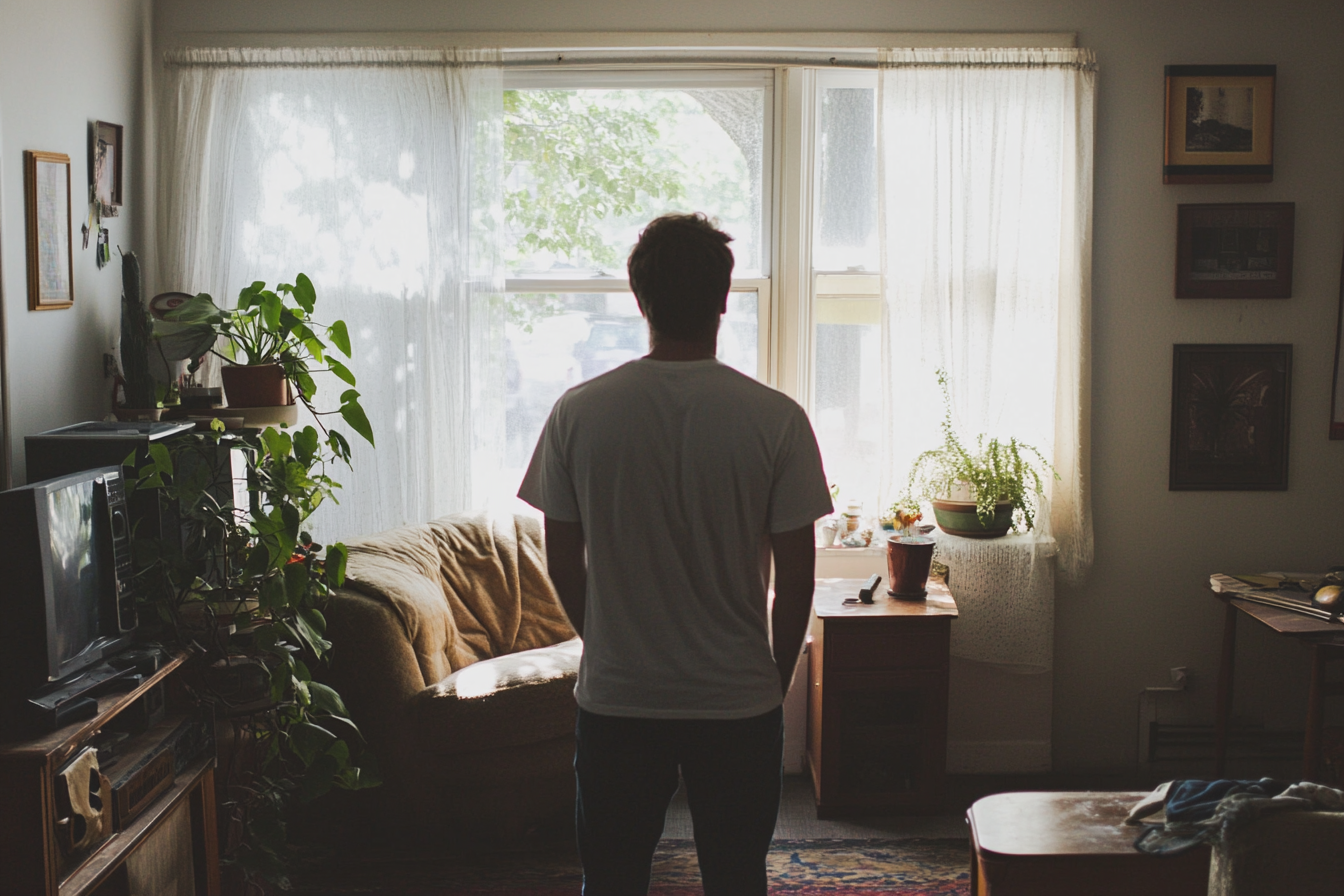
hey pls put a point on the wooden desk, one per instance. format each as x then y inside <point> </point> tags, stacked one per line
<point>1052,844</point>
<point>877,705</point>
<point>1327,645</point>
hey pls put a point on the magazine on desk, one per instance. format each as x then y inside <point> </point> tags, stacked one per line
<point>1318,595</point>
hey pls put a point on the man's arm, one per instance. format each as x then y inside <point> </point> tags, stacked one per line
<point>795,568</point>
<point>567,564</point>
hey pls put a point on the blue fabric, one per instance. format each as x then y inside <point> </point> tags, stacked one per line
<point>1195,800</point>
<point>626,770</point>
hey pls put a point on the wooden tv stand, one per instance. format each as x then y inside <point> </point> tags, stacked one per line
<point>147,853</point>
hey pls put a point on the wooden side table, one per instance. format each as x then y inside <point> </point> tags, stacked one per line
<point>1326,640</point>
<point>877,705</point>
<point>1053,844</point>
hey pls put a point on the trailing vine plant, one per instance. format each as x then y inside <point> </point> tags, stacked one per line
<point>242,590</point>
<point>994,471</point>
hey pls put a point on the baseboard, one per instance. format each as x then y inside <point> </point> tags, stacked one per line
<point>995,757</point>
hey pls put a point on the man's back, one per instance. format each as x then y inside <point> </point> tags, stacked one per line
<point>679,471</point>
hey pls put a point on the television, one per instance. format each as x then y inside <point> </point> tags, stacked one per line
<point>67,604</point>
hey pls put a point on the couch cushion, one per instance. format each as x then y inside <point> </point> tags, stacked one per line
<point>467,587</point>
<point>521,698</point>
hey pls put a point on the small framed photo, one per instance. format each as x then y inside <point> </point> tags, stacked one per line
<point>1234,250</point>
<point>107,155</point>
<point>1229,417</point>
<point>1220,124</point>
<point>51,271</point>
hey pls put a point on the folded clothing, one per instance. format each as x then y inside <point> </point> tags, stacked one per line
<point>1197,800</point>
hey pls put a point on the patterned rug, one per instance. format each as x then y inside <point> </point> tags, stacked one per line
<point>796,868</point>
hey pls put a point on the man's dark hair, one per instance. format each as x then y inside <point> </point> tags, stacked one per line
<point>680,271</point>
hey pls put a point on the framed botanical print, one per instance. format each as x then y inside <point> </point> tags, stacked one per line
<point>1220,124</point>
<point>1229,417</point>
<point>51,271</point>
<point>1234,250</point>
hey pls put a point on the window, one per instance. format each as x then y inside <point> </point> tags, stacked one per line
<point>590,158</point>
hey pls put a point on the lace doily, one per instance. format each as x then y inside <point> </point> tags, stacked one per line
<point>1005,593</point>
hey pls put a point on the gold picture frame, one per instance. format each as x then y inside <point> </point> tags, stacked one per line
<point>1219,124</point>
<point>51,262</point>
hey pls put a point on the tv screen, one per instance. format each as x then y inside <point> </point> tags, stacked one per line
<point>79,570</point>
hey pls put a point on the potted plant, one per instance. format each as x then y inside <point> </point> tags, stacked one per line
<point>142,396</point>
<point>273,330</point>
<point>980,493</point>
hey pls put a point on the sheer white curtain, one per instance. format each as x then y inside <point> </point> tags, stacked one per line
<point>377,173</point>
<point>985,210</point>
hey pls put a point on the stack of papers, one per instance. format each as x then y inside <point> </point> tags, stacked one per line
<point>1288,591</point>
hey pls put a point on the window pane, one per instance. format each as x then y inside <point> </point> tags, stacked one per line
<point>847,394</point>
<point>557,340</point>
<point>846,228</point>
<point>588,168</point>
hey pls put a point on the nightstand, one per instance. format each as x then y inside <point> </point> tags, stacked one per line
<point>877,702</point>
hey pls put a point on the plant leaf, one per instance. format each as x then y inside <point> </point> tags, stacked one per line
<point>271,306</point>
<point>341,370</point>
<point>326,700</point>
<point>304,293</point>
<point>353,414</point>
<point>340,337</point>
<point>337,555</point>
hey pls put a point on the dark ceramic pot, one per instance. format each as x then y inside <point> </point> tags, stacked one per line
<point>908,561</point>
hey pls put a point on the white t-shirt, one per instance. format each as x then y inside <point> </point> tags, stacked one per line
<point>678,471</point>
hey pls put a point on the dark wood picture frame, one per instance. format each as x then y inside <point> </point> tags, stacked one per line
<point>1234,250</point>
<point>1229,417</point>
<point>1219,124</point>
<point>1337,382</point>
<point>51,257</point>
<point>105,166</point>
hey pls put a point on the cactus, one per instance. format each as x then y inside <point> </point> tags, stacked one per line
<point>136,333</point>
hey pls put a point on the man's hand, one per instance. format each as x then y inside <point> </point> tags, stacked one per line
<point>795,569</point>
<point>567,564</point>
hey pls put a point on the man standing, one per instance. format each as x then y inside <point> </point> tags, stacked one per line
<point>667,486</point>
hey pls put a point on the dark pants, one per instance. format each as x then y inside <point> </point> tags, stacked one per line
<point>627,775</point>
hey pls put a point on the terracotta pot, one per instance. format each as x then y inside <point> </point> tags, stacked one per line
<point>908,561</point>
<point>959,518</point>
<point>255,386</point>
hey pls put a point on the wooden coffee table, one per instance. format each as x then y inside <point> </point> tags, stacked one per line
<point>1051,844</point>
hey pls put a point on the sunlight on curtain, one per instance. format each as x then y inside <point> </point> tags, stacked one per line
<point>985,210</point>
<point>377,173</point>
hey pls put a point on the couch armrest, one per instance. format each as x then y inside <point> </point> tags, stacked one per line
<point>372,663</point>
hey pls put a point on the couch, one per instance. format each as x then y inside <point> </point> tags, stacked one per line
<point>458,663</point>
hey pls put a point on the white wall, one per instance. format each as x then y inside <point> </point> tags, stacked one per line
<point>64,63</point>
<point>1145,608</point>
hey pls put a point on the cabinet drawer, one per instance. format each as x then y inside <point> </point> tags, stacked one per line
<point>911,644</point>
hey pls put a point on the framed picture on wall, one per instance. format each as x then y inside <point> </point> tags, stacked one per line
<point>1234,250</point>
<point>1220,124</point>
<point>107,154</point>
<point>51,272</point>
<point>1229,417</point>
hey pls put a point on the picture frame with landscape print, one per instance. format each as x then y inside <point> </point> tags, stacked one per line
<point>1234,250</point>
<point>51,268</point>
<point>1229,417</point>
<point>1219,124</point>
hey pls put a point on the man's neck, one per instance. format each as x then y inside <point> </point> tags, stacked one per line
<point>664,349</point>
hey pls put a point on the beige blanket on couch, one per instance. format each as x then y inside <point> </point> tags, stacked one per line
<point>489,570</point>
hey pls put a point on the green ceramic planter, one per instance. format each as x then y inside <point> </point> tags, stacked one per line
<point>958,518</point>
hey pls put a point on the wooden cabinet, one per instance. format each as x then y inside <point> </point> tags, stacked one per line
<point>877,702</point>
<point>170,848</point>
